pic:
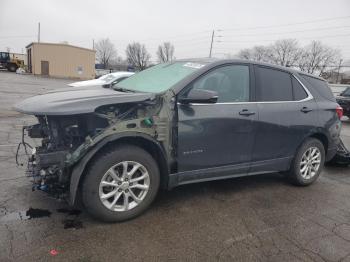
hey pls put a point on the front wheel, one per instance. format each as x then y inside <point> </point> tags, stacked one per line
<point>120,184</point>
<point>308,163</point>
<point>12,67</point>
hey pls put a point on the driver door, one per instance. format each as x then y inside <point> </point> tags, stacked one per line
<point>220,134</point>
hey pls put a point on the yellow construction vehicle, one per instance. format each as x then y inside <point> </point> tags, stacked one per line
<point>10,64</point>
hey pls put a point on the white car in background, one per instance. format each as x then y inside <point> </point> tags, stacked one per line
<point>104,81</point>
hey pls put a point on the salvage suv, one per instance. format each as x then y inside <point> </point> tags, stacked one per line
<point>179,123</point>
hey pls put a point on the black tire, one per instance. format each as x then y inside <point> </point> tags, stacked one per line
<point>294,174</point>
<point>98,168</point>
<point>12,67</point>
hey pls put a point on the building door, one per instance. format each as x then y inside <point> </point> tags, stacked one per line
<point>29,57</point>
<point>45,68</point>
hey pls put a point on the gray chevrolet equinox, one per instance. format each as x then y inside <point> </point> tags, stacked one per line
<point>178,123</point>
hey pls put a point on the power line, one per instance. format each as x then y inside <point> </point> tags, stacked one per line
<point>298,31</point>
<point>17,36</point>
<point>282,25</point>
<point>250,28</point>
<point>269,40</point>
<point>177,36</point>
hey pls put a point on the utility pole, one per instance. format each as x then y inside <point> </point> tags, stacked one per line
<point>39,32</point>
<point>93,44</point>
<point>211,44</point>
<point>340,61</point>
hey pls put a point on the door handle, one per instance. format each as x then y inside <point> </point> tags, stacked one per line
<point>246,112</point>
<point>306,109</point>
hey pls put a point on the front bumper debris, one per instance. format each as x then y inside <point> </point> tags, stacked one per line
<point>342,156</point>
<point>46,169</point>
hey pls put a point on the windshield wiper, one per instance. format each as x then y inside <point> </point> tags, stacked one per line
<point>121,89</point>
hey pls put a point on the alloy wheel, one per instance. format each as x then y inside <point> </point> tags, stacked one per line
<point>310,163</point>
<point>124,186</point>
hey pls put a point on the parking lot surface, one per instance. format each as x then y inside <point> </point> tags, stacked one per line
<point>259,218</point>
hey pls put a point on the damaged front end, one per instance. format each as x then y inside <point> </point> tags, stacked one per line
<point>66,138</point>
<point>60,137</point>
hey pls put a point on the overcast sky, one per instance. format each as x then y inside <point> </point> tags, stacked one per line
<point>186,23</point>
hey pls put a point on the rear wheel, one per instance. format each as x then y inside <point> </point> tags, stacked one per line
<point>308,163</point>
<point>120,184</point>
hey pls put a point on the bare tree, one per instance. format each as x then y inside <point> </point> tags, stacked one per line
<point>246,53</point>
<point>313,58</point>
<point>285,52</point>
<point>105,52</point>
<point>137,55</point>
<point>316,57</point>
<point>165,52</point>
<point>257,53</point>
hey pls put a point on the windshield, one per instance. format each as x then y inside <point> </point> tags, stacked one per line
<point>160,77</point>
<point>346,92</point>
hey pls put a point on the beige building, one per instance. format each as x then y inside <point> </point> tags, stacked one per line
<point>61,60</point>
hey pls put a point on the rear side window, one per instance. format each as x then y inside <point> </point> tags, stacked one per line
<point>273,85</point>
<point>298,90</point>
<point>320,86</point>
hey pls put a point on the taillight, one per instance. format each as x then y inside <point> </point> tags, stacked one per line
<point>339,111</point>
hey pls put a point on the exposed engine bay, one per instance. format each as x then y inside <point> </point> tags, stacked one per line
<point>60,136</point>
<point>65,139</point>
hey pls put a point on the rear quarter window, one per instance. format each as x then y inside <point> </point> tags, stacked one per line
<point>321,87</point>
<point>298,90</point>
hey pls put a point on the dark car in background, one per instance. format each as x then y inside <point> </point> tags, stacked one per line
<point>178,123</point>
<point>344,101</point>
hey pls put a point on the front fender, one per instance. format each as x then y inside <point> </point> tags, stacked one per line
<point>79,167</point>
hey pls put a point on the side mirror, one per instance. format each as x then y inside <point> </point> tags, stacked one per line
<point>199,96</point>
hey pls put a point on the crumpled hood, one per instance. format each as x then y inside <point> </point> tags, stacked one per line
<point>78,101</point>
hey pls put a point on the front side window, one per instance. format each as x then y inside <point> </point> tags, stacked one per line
<point>230,82</point>
<point>273,85</point>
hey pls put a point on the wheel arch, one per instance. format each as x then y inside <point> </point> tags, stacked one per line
<point>317,134</point>
<point>323,139</point>
<point>144,141</point>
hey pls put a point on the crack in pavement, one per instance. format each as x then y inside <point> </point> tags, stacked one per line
<point>10,240</point>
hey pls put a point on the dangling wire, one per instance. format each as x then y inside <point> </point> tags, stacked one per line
<point>25,146</point>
